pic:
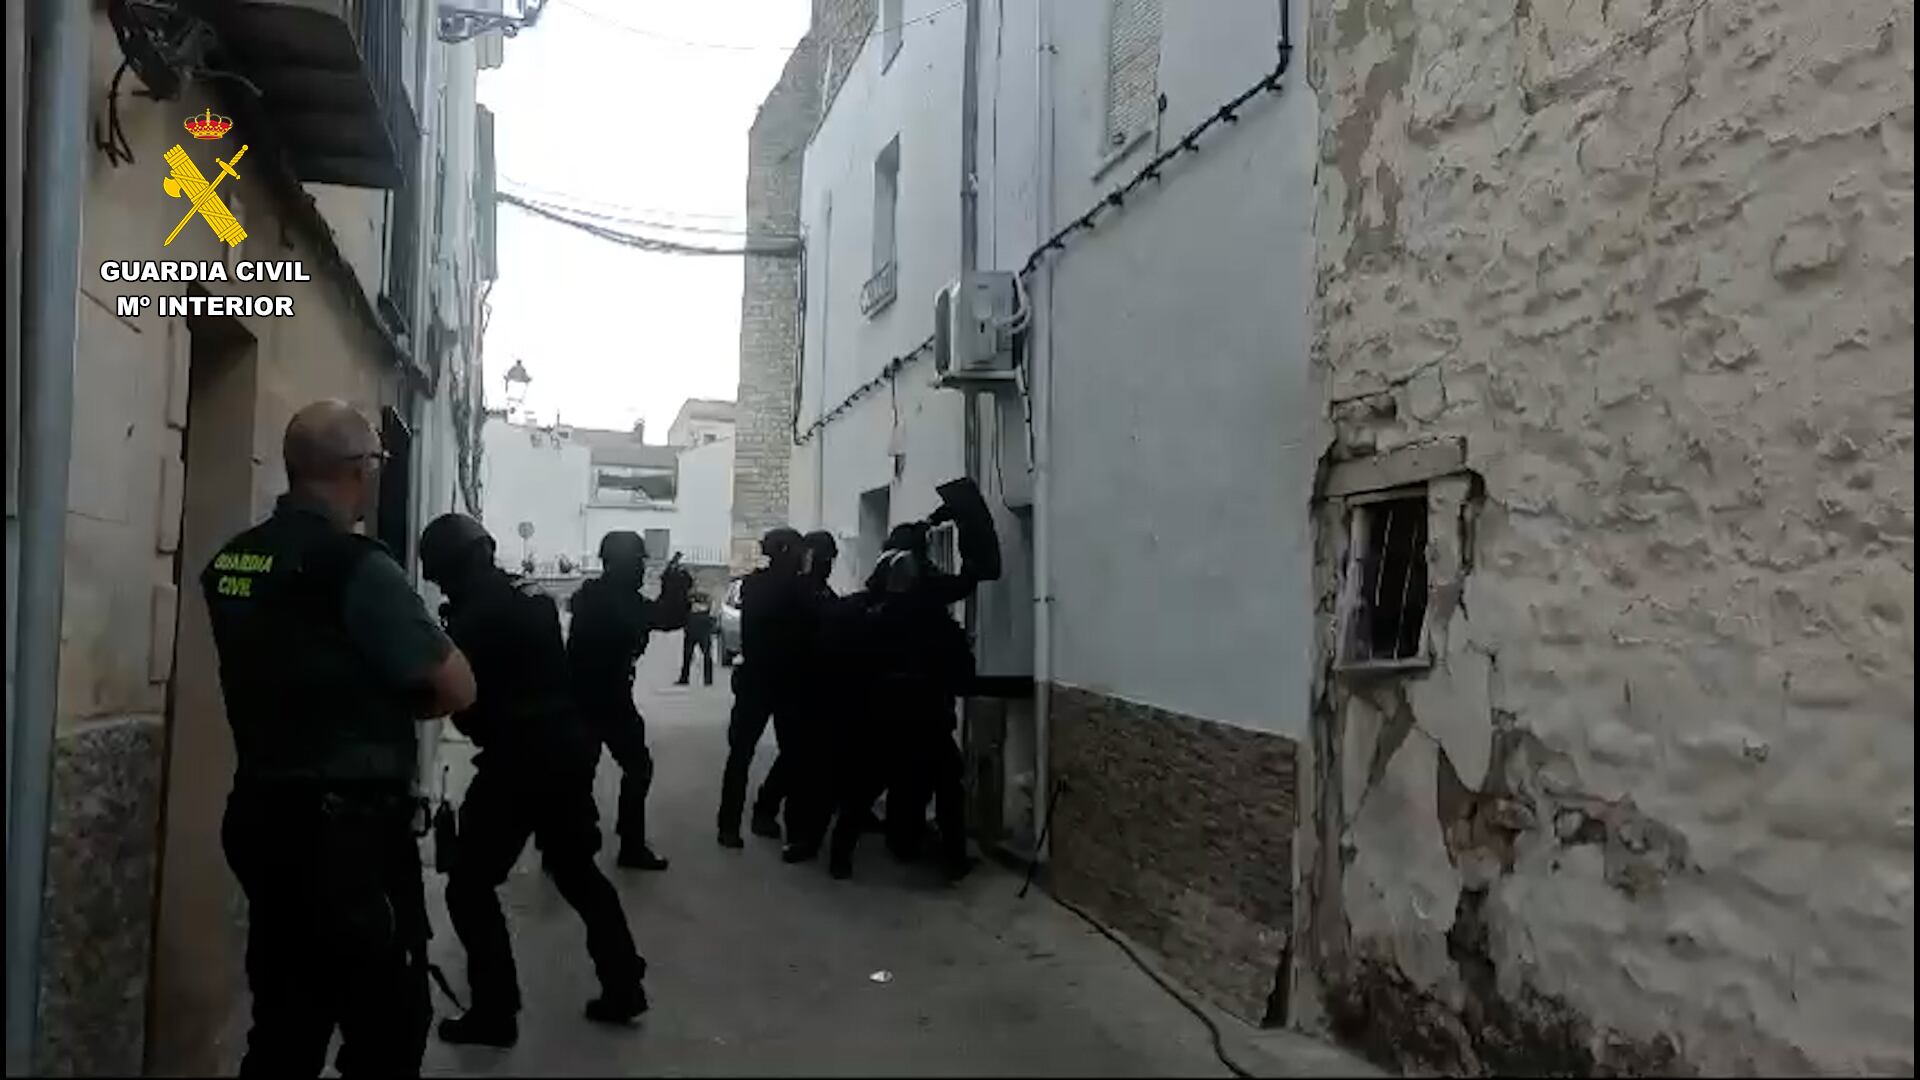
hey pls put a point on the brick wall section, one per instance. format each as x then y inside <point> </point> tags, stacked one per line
<point>1178,832</point>
<point>770,304</point>
<point>841,28</point>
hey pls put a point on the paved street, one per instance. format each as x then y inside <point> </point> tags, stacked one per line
<point>761,968</point>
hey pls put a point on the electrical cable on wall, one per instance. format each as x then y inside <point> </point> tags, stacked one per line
<point>1154,170</point>
<point>1033,866</point>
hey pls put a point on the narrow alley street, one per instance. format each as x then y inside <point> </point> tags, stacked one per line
<point>758,968</point>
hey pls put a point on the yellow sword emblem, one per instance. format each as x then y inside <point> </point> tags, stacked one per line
<point>186,180</point>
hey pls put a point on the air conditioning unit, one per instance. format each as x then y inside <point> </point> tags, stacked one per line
<point>975,320</point>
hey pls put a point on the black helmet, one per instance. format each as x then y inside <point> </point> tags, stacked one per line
<point>781,541</point>
<point>623,544</point>
<point>445,543</point>
<point>821,542</point>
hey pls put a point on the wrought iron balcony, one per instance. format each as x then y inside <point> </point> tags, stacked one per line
<point>332,81</point>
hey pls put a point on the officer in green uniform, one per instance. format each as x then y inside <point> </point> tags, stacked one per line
<point>533,778</point>
<point>327,660</point>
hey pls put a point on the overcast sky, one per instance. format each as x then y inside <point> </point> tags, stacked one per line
<point>624,105</point>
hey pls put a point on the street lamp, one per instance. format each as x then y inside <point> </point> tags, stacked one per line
<point>517,381</point>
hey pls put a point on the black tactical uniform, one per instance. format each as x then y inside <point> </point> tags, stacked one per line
<point>917,776</point>
<point>697,636</point>
<point>775,635</point>
<point>611,622</point>
<point>805,767</point>
<point>324,647</point>
<point>915,661</point>
<point>533,778</point>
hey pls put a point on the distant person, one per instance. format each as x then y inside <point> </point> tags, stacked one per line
<point>676,588</point>
<point>327,661</point>
<point>611,623</point>
<point>533,778</point>
<point>697,635</point>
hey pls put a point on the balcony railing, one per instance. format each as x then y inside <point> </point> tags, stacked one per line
<point>332,82</point>
<point>880,289</point>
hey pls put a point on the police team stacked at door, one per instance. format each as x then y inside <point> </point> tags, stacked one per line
<point>328,658</point>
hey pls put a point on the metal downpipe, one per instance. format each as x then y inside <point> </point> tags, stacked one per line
<point>59,62</point>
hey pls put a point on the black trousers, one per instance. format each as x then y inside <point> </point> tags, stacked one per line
<point>336,931</point>
<point>689,641</point>
<point>755,703</point>
<point>507,803</point>
<point>924,764</point>
<point>623,731</point>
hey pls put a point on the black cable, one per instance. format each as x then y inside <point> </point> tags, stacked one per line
<point>115,145</point>
<point>643,243</point>
<point>1115,199</point>
<point>1213,1029</point>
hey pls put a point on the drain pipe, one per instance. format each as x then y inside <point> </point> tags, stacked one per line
<point>1041,334</point>
<point>59,42</point>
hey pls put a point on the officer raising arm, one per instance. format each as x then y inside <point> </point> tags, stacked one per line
<point>327,657</point>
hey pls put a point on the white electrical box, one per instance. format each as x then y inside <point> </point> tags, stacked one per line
<point>975,320</point>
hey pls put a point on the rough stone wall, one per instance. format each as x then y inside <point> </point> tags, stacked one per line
<point>1179,831</point>
<point>1652,810</point>
<point>770,305</point>
<point>840,29</point>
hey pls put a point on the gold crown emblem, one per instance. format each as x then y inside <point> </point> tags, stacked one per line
<point>208,126</point>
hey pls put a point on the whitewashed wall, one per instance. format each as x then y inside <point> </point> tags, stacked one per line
<point>917,98</point>
<point>1185,426</point>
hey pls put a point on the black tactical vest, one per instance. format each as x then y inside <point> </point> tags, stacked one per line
<point>303,702</point>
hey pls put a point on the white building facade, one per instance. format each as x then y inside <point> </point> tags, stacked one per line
<point>1169,341</point>
<point>551,492</point>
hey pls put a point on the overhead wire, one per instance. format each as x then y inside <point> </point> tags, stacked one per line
<point>653,244</point>
<point>556,195</point>
<point>736,47</point>
<point>652,223</point>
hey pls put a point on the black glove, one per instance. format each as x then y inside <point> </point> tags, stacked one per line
<point>939,516</point>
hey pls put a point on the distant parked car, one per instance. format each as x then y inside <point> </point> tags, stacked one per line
<point>730,624</point>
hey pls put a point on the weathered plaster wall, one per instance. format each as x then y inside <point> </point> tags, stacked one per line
<point>124,526</point>
<point>1653,261</point>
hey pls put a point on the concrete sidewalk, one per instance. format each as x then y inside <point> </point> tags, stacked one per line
<point>758,968</point>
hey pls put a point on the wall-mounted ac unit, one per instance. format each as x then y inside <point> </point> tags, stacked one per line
<point>975,319</point>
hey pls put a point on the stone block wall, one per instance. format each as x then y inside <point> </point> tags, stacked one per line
<point>1179,832</point>
<point>1651,263</point>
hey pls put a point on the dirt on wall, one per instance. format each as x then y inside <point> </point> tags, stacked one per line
<point>1651,263</point>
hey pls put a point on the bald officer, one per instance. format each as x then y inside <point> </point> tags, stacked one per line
<point>327,661</point>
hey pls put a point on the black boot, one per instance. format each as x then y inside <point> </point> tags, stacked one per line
<point>639,857</point>
<point>730,838</point>
<point>617,1008</point>
<point>840,865</point>
<point>798,853</point>
<point>481,1029</point>
<point>766,825</point>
